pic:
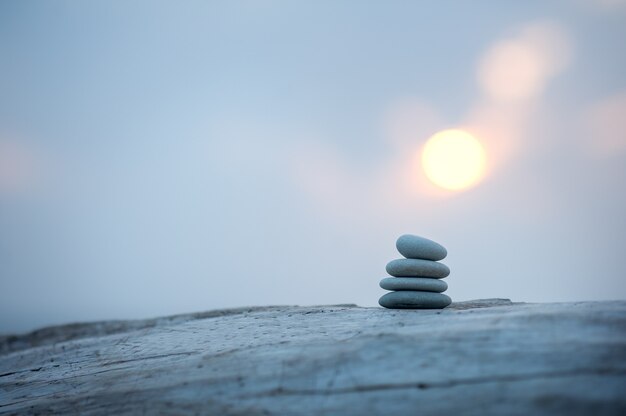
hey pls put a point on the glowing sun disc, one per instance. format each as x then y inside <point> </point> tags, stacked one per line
<point>454,160</point>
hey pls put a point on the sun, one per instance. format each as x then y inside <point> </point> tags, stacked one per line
<point>454,160</point>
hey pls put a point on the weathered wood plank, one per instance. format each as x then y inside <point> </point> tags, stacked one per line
<point>481,357</point>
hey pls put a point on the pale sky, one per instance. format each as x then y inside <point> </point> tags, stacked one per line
<point>171,157</point>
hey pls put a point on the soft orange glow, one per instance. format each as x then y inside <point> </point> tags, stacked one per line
<point>454,160</point>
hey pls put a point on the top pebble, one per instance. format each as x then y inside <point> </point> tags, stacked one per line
<point>415,247</point>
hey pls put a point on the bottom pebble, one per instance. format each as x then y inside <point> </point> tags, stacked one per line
<point>412,299</point>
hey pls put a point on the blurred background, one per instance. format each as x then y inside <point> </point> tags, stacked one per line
<point>170,157</point>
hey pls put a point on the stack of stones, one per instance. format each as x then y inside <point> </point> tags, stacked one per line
<point>417,278</point>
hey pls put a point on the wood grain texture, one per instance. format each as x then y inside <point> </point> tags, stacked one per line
<point>475,358</point>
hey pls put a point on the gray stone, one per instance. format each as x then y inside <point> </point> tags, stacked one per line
<point>425,284</point>
<point>416,247</point>
<point>417,268</point>
<point>412,299</point>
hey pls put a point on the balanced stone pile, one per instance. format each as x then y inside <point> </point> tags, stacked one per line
<point>417,278</point>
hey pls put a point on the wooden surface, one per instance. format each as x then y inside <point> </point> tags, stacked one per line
<point>473,358</point>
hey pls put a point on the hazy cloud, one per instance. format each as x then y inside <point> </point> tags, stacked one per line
<point>20,167</point>
<point>605,126</point>
<point>519,67</point>
<point>605,5</point>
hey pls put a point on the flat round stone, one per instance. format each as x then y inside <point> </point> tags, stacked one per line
<point>417,268</point>
<point>409,299</point>
<point>425,284</point>
<point>416,247</point>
